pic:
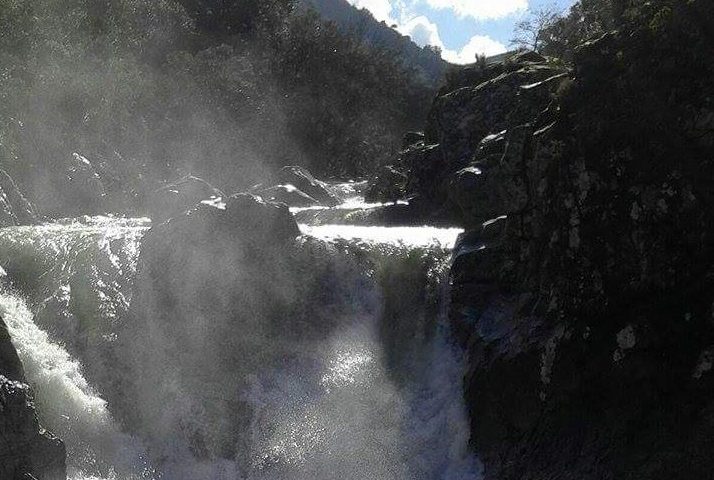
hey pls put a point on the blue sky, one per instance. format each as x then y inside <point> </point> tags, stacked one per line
<point>462,28</point>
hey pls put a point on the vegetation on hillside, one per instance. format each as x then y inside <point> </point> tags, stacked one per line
<point>426,62</point>
<point>227,90</point>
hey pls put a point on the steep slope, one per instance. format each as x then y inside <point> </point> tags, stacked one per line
<point>583,288</point>
<point>429,67</point>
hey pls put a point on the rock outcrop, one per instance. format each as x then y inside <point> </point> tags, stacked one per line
<point>179,196</point>
<point>462,135</point>
<point>303,180</point>
<point>583,289</point>
<point>15,209</point>
<point>289,195</point>
<point>222,292</point>
<point>26,449</point>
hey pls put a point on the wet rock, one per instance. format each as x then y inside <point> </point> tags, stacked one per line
<point>288,195</point>
<point>303,180</point>
<point>412,138</point>
<point>74,189</point>
<point>425,179</point>
<point>10,365</point>
<point>226,291</point>
<point>179,196</point>
<point>389,185</point>
<point>15,209</point>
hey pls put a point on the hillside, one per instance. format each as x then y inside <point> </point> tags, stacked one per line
<point>106,100</point>
<point>359,23</point>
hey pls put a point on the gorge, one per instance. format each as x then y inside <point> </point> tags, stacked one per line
<point>523,289</point>
<point>304,362</point>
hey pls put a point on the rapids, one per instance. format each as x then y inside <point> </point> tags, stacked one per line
<point>378,397</point>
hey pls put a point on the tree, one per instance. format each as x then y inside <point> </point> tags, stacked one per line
<point>531,33</point>
<point>228,17</point>
<point>435,49</point>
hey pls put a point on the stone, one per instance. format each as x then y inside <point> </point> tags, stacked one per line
<point>289,195</point>
<point>26,450</point>
<point>389,185</point>
<point>10,365</point>
<point>303,180</point>
<point>222,288</point>
<point>595,284</point>
<point>179,196</point>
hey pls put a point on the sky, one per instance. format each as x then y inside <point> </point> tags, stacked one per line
<point>461,28</point>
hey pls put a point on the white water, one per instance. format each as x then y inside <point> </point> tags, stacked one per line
<point>67,404</point>
<point>356,423</point>
<point>333,412</point>
<point>407,236</point>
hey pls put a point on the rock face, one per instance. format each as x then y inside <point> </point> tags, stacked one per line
<point>586,301</point>
<point>466,121</point>
<point>221,292</point>
<point>303,180</point>
<point>26,449</point>
<point>15,209</point>
<point>288,195</point>
<point>388,186</point>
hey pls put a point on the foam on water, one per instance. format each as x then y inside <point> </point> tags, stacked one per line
<point>408,236</point>
<point>356,422</point>
<point>67,404</point>
<point>336,409</point>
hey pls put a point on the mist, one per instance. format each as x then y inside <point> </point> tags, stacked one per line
<point>278,240</point>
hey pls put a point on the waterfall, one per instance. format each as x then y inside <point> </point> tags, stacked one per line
<point>67,404</point>
<point>378,395</point>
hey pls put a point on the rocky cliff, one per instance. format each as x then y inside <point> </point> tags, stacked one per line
<point>222,292</point>
<point>583,287</point>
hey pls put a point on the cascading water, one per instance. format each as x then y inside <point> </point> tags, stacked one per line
<point>68,405</point>
<point>378,396</point>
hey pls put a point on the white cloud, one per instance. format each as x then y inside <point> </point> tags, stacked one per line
<point>424,32</point>
<point>478,45</point>
<point>381,9</point>
<point>480,9</point>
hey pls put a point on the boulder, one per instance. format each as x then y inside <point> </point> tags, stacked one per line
<point>303,180</point>
<point>224,290</point>
<point>465,134</point>
<point>389,185</point>
<point>26,450</point>
<point>243,218</point>
<point>412,138</point>
<point>74,189</point>
<point>179,196</point>
<point>460,119</point>
<point>10,365</point>
<point>288,195</point>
